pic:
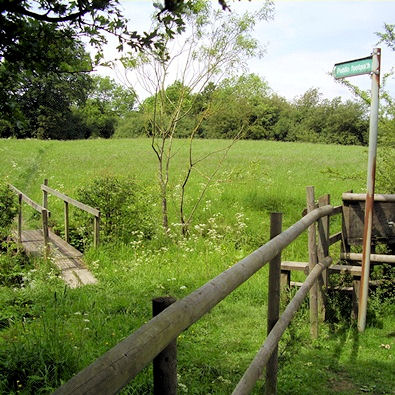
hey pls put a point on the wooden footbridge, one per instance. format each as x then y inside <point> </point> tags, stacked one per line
<point>43,242</point>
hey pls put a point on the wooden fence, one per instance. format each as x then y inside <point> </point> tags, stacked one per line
<point>118,366</point>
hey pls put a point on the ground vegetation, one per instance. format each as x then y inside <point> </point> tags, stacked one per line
<point>49,332</point>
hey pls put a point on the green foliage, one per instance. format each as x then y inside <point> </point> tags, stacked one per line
<point>37,103</point>
<point>14,265</point>
<point>385,177</point>
<point>313,119</point>
<point>8,209</point>
<point>388,36</point>
<point>125,209</point>
<point>132,125</point>
<point>49,332</point>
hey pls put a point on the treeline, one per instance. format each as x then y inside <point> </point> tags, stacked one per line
<point>246,104</point>
<point>66,105</point>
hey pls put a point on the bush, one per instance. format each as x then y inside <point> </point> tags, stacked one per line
<point>125,210</point>
<point>14,265</point>
<point>385,179</point>
<point>8,209</point>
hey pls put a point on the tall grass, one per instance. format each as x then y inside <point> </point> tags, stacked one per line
<point>50,332</point>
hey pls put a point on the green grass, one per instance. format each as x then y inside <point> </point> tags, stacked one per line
<point>50,332</point>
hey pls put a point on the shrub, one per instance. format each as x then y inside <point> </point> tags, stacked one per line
<point>125,210</point>
<point>8,209</point>
<point>14,265</point>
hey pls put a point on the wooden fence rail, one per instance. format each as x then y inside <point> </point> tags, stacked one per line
<point>114,369</point>
<point>254,371</point>
<point>68,200</point>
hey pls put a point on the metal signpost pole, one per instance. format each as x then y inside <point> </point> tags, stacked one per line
<point>367,233</point>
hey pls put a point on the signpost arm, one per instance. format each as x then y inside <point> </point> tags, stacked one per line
<point>367,233</point>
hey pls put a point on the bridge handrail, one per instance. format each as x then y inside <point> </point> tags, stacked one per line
<point>45,213</point>
<point>68,199</point>
<point>114,369</point>
<point>27,200</point>
<point>82,206</point>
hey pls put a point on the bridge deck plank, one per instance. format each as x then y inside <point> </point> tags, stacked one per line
<point>65,257</point>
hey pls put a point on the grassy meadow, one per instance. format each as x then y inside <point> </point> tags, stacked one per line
<point>49,332</point>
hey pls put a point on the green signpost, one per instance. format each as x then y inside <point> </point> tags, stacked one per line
<point>369,65</point>
<point>353,67</point>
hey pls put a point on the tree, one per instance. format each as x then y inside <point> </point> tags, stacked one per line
<point>245,102</point>
<point>107,102</point>
<point>35,101</point>
<point>91,18</point>
<point>40,39</point>
<point>216,45</point>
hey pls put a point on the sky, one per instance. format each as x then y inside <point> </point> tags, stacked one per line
<point>304,40</point>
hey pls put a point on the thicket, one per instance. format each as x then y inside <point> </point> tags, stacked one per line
<point>125,209</point>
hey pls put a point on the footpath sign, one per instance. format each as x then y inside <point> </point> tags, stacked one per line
<point>369,65</point>
<point>353,67</point>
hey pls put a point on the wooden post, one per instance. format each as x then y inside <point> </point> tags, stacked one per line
<point>66,222</point>
<point>44,214</point>
<point>96,230</point>
<point>45,195</point>
<point>285,279</point>
<point>323,251</point>
<point>273,304</point>
<point>165,363</point>
<point>345,247</point>
<point>312,263</point>
<point>19,218</point>
<point>356,284</point>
